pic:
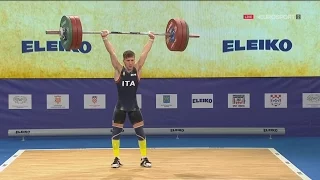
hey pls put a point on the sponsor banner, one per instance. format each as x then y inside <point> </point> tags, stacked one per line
<point>275,100</point>
<point>139,100</point>
<point>202,100</point>
<point>311,100</point>
<point>149,131</point>
<point>275,39</point>
<point>238,100</point>
<point>94,101</point>
<point>166,101</point>
<point>22,132</point>
<point>57,101</point>
<point>19,101</point>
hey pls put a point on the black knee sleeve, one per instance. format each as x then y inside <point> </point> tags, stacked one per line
<point>140,133</point>
<point>116,133</point>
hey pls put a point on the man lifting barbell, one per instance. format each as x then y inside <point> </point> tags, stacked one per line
<point>127,79</point>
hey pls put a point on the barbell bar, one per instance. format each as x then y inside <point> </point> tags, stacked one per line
<point>70,32</point>
<point>116,32</point>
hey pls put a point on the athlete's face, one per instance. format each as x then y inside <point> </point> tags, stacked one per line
<point>129,63</point>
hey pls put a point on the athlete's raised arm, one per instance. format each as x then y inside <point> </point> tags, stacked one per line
<point>145,51</point>
<point>114,60</point>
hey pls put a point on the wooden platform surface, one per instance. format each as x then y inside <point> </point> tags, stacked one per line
<point>168,164</point>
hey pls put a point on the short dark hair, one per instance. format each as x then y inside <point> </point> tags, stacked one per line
<point>128,54</point>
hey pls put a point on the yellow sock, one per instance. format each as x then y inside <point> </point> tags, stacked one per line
<point>116,147</point>
<point>143,147</point>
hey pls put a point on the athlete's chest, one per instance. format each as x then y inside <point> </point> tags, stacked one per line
<point>129,79</point>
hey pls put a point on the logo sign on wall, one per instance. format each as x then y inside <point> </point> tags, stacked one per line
<point>238,100</point>
<point>311,100</point>
<point>19,101</point>
<point>57,101</point>
<point>202,101</point>
<point>139,100</point>
<point>275,100</point>
<point>94,101</point>
<point>166,101</point>
<point>267,44</point>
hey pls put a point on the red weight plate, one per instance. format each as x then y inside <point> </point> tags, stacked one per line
<point>185,35</point>
<point>79,43</point>
<point>74,33</point>
<point>78,38</point>
<point>168,40</point>
<point>174,24</point>
<point>173,44</point>
<point>179,36</point>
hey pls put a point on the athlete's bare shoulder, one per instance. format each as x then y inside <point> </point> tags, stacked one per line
<point>117,75</point>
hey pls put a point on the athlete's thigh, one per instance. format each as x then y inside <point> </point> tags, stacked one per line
<point>135,116</point>
<point>119,116</point>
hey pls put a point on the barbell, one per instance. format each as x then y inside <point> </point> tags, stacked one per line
<point>71,33</point>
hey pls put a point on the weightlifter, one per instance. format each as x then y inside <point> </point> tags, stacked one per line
<point>127,79</point>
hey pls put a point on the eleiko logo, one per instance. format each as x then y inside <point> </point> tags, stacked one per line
<point>284,45</point>
<point>202,100</point>
<point>176,130</point>
<point>22,132</point>
<point>270,130</point>
<point>34,46</point>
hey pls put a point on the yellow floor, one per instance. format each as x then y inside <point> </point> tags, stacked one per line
<point>168,164</point>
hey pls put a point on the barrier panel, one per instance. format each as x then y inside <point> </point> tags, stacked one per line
<point>190,104</point>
